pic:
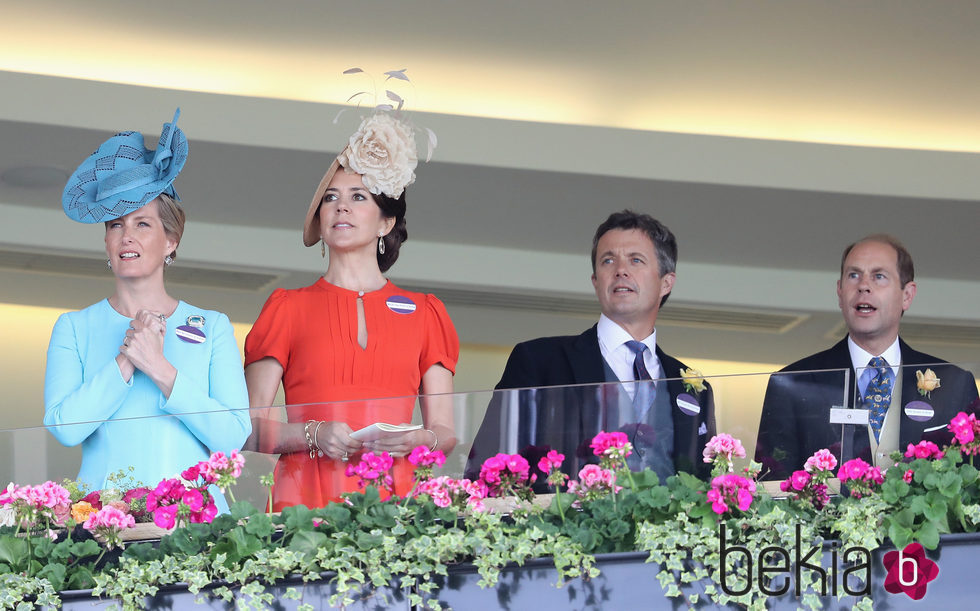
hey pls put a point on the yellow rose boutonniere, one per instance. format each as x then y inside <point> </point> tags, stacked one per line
<point>693,379</point>
<point>926,382</point>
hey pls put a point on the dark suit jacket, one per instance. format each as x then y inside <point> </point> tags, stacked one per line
<point>567,418</point>
<point>795,414</point>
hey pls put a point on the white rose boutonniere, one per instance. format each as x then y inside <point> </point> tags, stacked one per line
<point>926,382</point>
<point>693,379</point>
<point>383,151</point>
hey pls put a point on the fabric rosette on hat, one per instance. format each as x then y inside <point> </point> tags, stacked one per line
<point>123,175</point>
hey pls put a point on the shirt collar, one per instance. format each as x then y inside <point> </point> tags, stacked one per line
<point>860,357</point>
<point>612,336</point>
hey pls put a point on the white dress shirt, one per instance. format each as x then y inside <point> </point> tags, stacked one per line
<point>620,357</point>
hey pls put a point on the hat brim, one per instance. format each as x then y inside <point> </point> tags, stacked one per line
<point>123,152</point>
<point>311,226</point>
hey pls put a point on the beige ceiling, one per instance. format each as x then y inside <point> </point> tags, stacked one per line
<point>767,135</point>
<point>887,73</point>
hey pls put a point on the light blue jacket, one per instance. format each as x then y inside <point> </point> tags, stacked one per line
<point>122,424</point>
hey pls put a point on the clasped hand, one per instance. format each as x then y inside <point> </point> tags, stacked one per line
<point>143,344</point>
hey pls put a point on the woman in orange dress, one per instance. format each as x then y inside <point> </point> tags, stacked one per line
<point>352,349</point>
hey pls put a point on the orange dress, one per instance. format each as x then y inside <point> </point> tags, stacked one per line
<point>312,332</point>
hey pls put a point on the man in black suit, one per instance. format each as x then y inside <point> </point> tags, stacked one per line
<point>876,286</point>
<point>633,262</point>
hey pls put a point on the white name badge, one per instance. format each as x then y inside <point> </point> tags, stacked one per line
<point>839,415</point>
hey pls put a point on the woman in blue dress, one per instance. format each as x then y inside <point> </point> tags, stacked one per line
<point>141,379</point>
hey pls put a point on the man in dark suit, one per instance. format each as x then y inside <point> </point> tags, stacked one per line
<point>875,371</point>
<point>633,262</point>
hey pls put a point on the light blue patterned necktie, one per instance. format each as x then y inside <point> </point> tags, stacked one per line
<point>878,394</point>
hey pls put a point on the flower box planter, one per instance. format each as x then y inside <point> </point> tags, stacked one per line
<point>316,593</point>
<point>627,581</point>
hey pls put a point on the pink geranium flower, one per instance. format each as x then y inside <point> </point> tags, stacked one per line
<point>723,445</point>
<point>923,449</point>
<point>459,493</point>
<point>506,474</point>
<point>603,442</point>
<point>731,491</point>
<point>612,449</point>
<point>372,470</point>
<point>822,460</point>
<point>860,477</point>
<point>966,428</point>
<point>37,506</point>
<point>109,522</point>
<point>552,460</point>
<point>166,516</point>
<point>593,483</point>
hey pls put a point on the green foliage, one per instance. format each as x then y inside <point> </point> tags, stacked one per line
<point>932,503</point>
<point>367,542</point>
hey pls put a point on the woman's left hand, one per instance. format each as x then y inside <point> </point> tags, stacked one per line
<point>400,445</point>
<point>143,346</point>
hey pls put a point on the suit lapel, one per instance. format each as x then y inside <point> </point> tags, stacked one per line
<point>585,358</point>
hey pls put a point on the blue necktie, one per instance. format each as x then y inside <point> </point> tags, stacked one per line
<point>645,393</point>
<point>878,394</point>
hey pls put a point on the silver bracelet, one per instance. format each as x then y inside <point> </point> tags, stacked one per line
<point>309,439</point>
<point>435,440</point>
<point>316,433</point>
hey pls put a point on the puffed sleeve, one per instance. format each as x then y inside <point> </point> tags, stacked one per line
<point>271,333</point>
<point>72,397</point>
<point>218,415</point>
<point>441,342</point>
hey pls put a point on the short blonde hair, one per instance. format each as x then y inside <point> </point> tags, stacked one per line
<point>173,218</point>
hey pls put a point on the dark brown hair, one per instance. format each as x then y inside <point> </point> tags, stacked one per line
<point>664,242</point>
